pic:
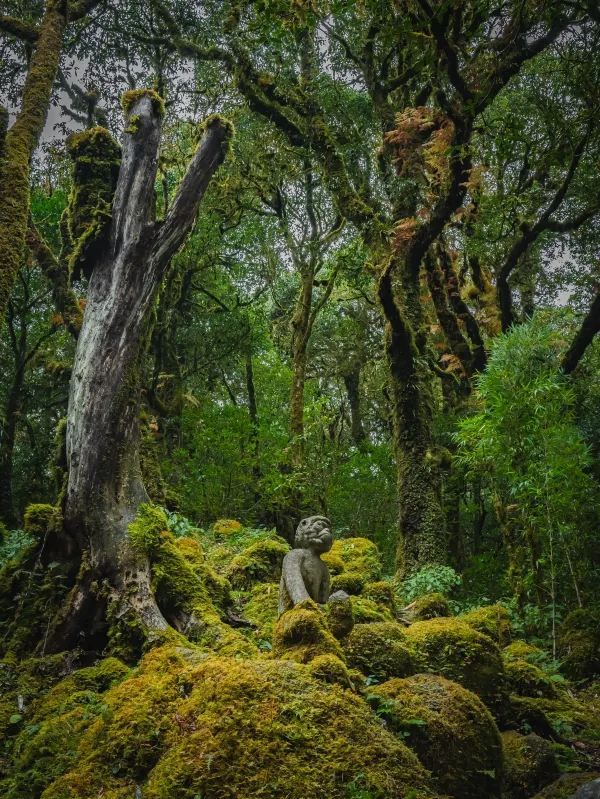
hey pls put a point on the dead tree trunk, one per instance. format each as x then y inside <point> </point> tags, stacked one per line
<point>105,487</point>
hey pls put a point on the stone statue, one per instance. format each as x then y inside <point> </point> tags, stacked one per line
<point>303,573</point>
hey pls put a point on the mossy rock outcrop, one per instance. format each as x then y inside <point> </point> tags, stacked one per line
<point>349,581</point>
<point>380,650</point>
<point>382,593</point>
<point>449,728</point>
<point>302,634</point>
<point>261,609</point>
<point>258,563</point>
<point>492,620</point>
<point>579,644</point>
<point>185,725</point>
<point>529,764</point>
<point>521,650</point>
<point>458,652</point>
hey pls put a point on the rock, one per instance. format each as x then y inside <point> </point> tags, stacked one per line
<point>529,764</point>
<point>458,652</point>
<point>449,728</point>
<point>563,787</point>
<point>591,790</point>
<point>428,606</point>
<point>302,634</point>
<point>380,650</point>
<point>492,620</point>
<point>579,644</point>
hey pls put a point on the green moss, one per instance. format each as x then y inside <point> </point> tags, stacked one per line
<point>521,650</point>
<point>429,606</point>
<point>334,563</point>
<point>564,716</point>
<point>455,650</point>
<point>350,582</point>
<point>261,609</point>
<point>260,562</point>
<point>367,610</point>
<point>380,649</point>
<point>183,725</point>
<point>579,644</point>
<point>96,160</point>
<point>130,98</point>
<point>340,617</point>
<point>146,530</point>
<point>492,620</point>
<point>450,730</point>
<point>382,593</point>
<point>529,764</point>
<point>301,634</point>
<point>192,596</point>
<point>358,555</point>
<point>330,669</point>
<point>526,679</point>
<point>39,520</point>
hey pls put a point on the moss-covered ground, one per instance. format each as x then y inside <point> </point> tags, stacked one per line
<point>359,700</point>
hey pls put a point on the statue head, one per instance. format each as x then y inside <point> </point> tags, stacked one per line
<point>313,533</point>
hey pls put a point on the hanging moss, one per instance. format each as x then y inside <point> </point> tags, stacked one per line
<point>492,620</point>
<point>455,650</point>
<point>380,649</point>
<point>529,764</point>
<point>301,634</point>
<point>449,728</point>
<point>96,159</point>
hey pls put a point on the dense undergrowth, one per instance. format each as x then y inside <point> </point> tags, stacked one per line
<point>374,698</point>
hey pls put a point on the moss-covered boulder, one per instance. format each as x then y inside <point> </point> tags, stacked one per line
<point>366,610</point>
<point>526,679</point>
<point>449,728</point>
<point>330,669</point>
<point>302,634</point>
<point>258,563</point>
<point>340,616</point>
<point>380,650</point>
<point>428,606</point>
<point>382,593</point>
<point>357,555</point>
<point>492,620</point>
<point>521,650</point>
<point>579,644</point>
<point>455,650</point>
<point>220,728</point>
<point>529,764</point>
<point>349,581</point>
<point>567,785</point>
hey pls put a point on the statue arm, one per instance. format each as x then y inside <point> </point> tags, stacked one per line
<point>324,588</point>
<point>292,577</point>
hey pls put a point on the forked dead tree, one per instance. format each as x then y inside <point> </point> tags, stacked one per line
<point>105,487</point>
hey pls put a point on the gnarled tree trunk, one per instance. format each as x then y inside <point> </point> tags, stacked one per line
<point>105,487</point>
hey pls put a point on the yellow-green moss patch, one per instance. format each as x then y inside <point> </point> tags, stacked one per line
<point>492,620</point>
<point>358,555</point>
<point>260,562</point>
<point>455,650</point>
<point>301,634</point>
<point>380,649</point>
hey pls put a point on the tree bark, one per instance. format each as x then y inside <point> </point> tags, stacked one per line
<point>105,487</point>
<point>352,383</point>
<point>589,328</point>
